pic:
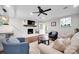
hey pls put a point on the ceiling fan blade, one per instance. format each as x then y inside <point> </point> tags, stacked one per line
<point>39,7</point>
<point>47,10</point>
<point>40,10</point>
<point>35,12</point>
<point>44,13</point>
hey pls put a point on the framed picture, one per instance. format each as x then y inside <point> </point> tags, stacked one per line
<point>53,23</point>
<point>4,20</point>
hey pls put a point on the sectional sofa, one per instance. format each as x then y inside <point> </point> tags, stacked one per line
<point>60,46</point>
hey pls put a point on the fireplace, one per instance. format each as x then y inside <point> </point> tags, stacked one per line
<point>30,31</point>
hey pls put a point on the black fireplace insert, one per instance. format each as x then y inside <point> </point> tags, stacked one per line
<point>30,31</point>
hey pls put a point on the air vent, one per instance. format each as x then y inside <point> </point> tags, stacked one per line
<point>4,10</point>
<point>65,7</point>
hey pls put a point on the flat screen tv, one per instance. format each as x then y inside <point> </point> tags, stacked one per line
<point>30,22</point>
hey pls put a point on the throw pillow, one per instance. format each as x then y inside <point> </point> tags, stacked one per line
<point>12,40</point>
<point>59,45</point>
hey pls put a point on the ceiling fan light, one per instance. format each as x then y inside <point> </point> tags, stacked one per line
<point>31,13</point>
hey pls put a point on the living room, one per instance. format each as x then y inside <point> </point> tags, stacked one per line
<point>28,22</point>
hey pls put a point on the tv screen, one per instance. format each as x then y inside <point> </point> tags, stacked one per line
<point>31,22</point>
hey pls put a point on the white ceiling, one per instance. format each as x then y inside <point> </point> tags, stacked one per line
<point>25,11</point>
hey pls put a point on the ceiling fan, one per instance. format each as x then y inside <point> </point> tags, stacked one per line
<point>41,11</point>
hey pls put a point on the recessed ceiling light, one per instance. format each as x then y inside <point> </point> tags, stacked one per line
<point>75,6</point>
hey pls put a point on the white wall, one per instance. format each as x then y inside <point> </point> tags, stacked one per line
<point>75,24</point>
<point>18,28</point>
<point>21,31</point>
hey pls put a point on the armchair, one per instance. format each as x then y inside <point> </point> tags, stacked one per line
<point>18,48</point>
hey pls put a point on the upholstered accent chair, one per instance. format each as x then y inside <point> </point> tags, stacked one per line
<point>17,48</point>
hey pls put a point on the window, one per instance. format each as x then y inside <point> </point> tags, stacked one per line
<point>65,22</point>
